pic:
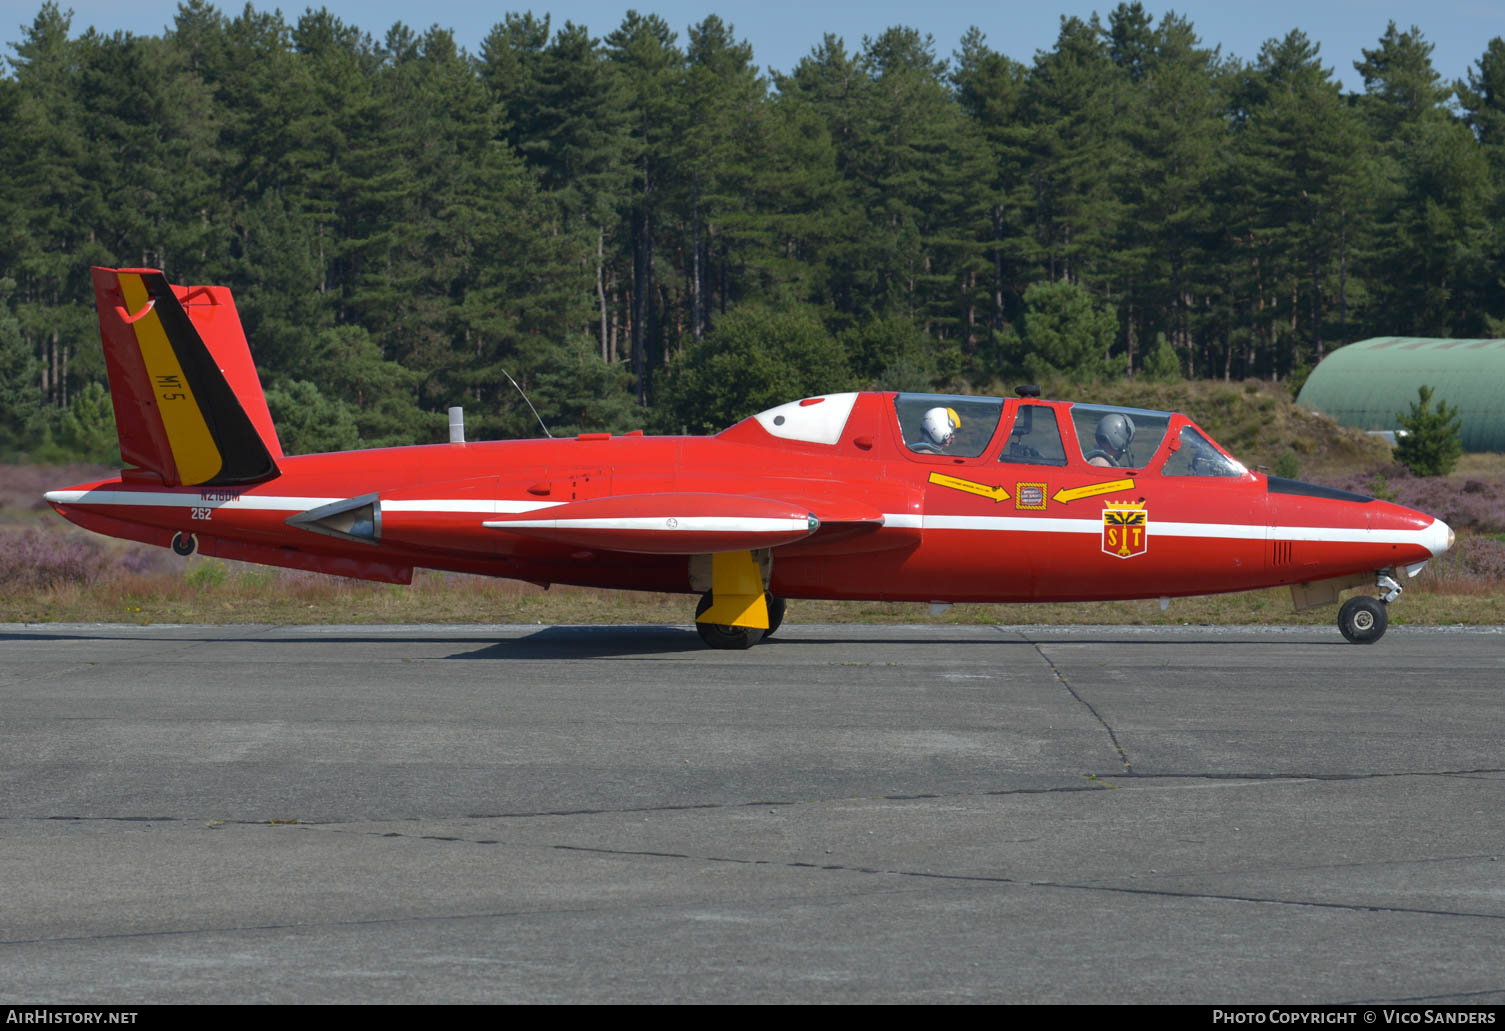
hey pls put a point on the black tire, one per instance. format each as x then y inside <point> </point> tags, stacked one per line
<point>1363,619</point>
<point>185,544</point>
<point>776,607</point>
<point>718,635</point>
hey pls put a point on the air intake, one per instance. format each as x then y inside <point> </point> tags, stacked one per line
<point>354,519</point>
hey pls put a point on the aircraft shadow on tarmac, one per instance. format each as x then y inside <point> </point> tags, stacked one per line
<point>602,642</point>
<point>588,642</point>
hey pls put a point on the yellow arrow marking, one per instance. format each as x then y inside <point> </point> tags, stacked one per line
<point>955,483</point>
<point>1092,490</point>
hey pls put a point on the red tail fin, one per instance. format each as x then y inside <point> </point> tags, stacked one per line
<point>188,403</point>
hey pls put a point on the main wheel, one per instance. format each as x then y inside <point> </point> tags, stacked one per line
<point>1363,619</point>
<point>718,635</point>
<point>776,607</point>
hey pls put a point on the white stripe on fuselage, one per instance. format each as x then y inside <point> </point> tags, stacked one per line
<point>666,524</point>
<point>1427,537</point>
<point>211,498</point>
<point>1163,528</point>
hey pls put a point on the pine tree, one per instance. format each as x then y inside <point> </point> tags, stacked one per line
<point>1430,445</point>
<point>59,203</point>
<point>1300,163</point>
<point>991,90</point>
<point>709,154</point>
<point>1066,333</point>
<point>818,116</point>
<point>1076,153</point>
<point>1431,233</point>
<point>798,210</point>
<point>1172,135</point>
<point>20,393</point>
<point>571,125</point>
<point>643,51</point>
<point>1482,98</point>
<point>1400,85</point>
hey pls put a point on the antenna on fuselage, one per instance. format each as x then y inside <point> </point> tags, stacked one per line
<point>546,432</point>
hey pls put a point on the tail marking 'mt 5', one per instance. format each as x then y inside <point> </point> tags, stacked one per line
<point>176,413</point>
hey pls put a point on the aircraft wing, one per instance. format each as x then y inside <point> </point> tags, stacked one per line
<point>667,524</point>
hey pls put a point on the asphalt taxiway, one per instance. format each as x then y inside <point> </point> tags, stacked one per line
<point>840,814</point>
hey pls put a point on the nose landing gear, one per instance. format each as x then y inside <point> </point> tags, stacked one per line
<point>1363,619</point>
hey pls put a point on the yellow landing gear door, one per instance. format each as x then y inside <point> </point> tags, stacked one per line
<point>737,592</point>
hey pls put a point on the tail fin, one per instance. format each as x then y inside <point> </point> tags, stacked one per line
<point>188,402</point>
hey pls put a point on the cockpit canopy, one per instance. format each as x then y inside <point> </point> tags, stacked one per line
<point>1041,433</point>
<point>1107,436</point>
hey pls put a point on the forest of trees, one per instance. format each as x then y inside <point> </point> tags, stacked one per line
<point>646,230</point>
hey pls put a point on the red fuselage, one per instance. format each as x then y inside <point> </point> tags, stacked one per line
<point>888,522</point>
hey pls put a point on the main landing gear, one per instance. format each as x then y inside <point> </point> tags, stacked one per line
<point>735,610</point>
<point>1363,619</point>
<point>719,635</point>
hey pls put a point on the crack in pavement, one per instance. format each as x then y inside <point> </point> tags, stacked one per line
<point>995,879</point>
<point>412,918</point>
<point>1094,783</point>
<point>1413,999</point>
<point>525,814</point>
<point>1123,756</point>
<point>981,879</point>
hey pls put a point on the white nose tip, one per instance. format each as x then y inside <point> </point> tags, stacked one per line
<point>1439,537</point>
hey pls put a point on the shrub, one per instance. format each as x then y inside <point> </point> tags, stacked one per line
<point>1067,333</point>
<point>30,558</point>
<point>1471,504</point>
<point>1161,365</point>
<point>754,359</point>
<point>308,422</point>
<point>206,575</point>
<point>1431,446</point>
<point>893,353</point>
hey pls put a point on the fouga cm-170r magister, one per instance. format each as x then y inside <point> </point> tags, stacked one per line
<point>862,496</point>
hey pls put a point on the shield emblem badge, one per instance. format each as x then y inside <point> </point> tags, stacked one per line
<point>1126,529</point>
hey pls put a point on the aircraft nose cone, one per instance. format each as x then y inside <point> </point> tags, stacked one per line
<point>1439,537</point>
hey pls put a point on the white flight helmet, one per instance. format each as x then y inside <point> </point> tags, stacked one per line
<point>940,425</point>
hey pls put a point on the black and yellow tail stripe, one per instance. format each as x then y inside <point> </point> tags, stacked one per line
<point>211,437</point>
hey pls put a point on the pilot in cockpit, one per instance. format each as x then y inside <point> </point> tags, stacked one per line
<point>937,430</point>
<point>1114,434</point>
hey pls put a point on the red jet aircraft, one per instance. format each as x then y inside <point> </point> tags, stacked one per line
<point>861,496</point>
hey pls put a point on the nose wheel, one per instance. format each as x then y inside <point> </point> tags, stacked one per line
<point>1363,619</point>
